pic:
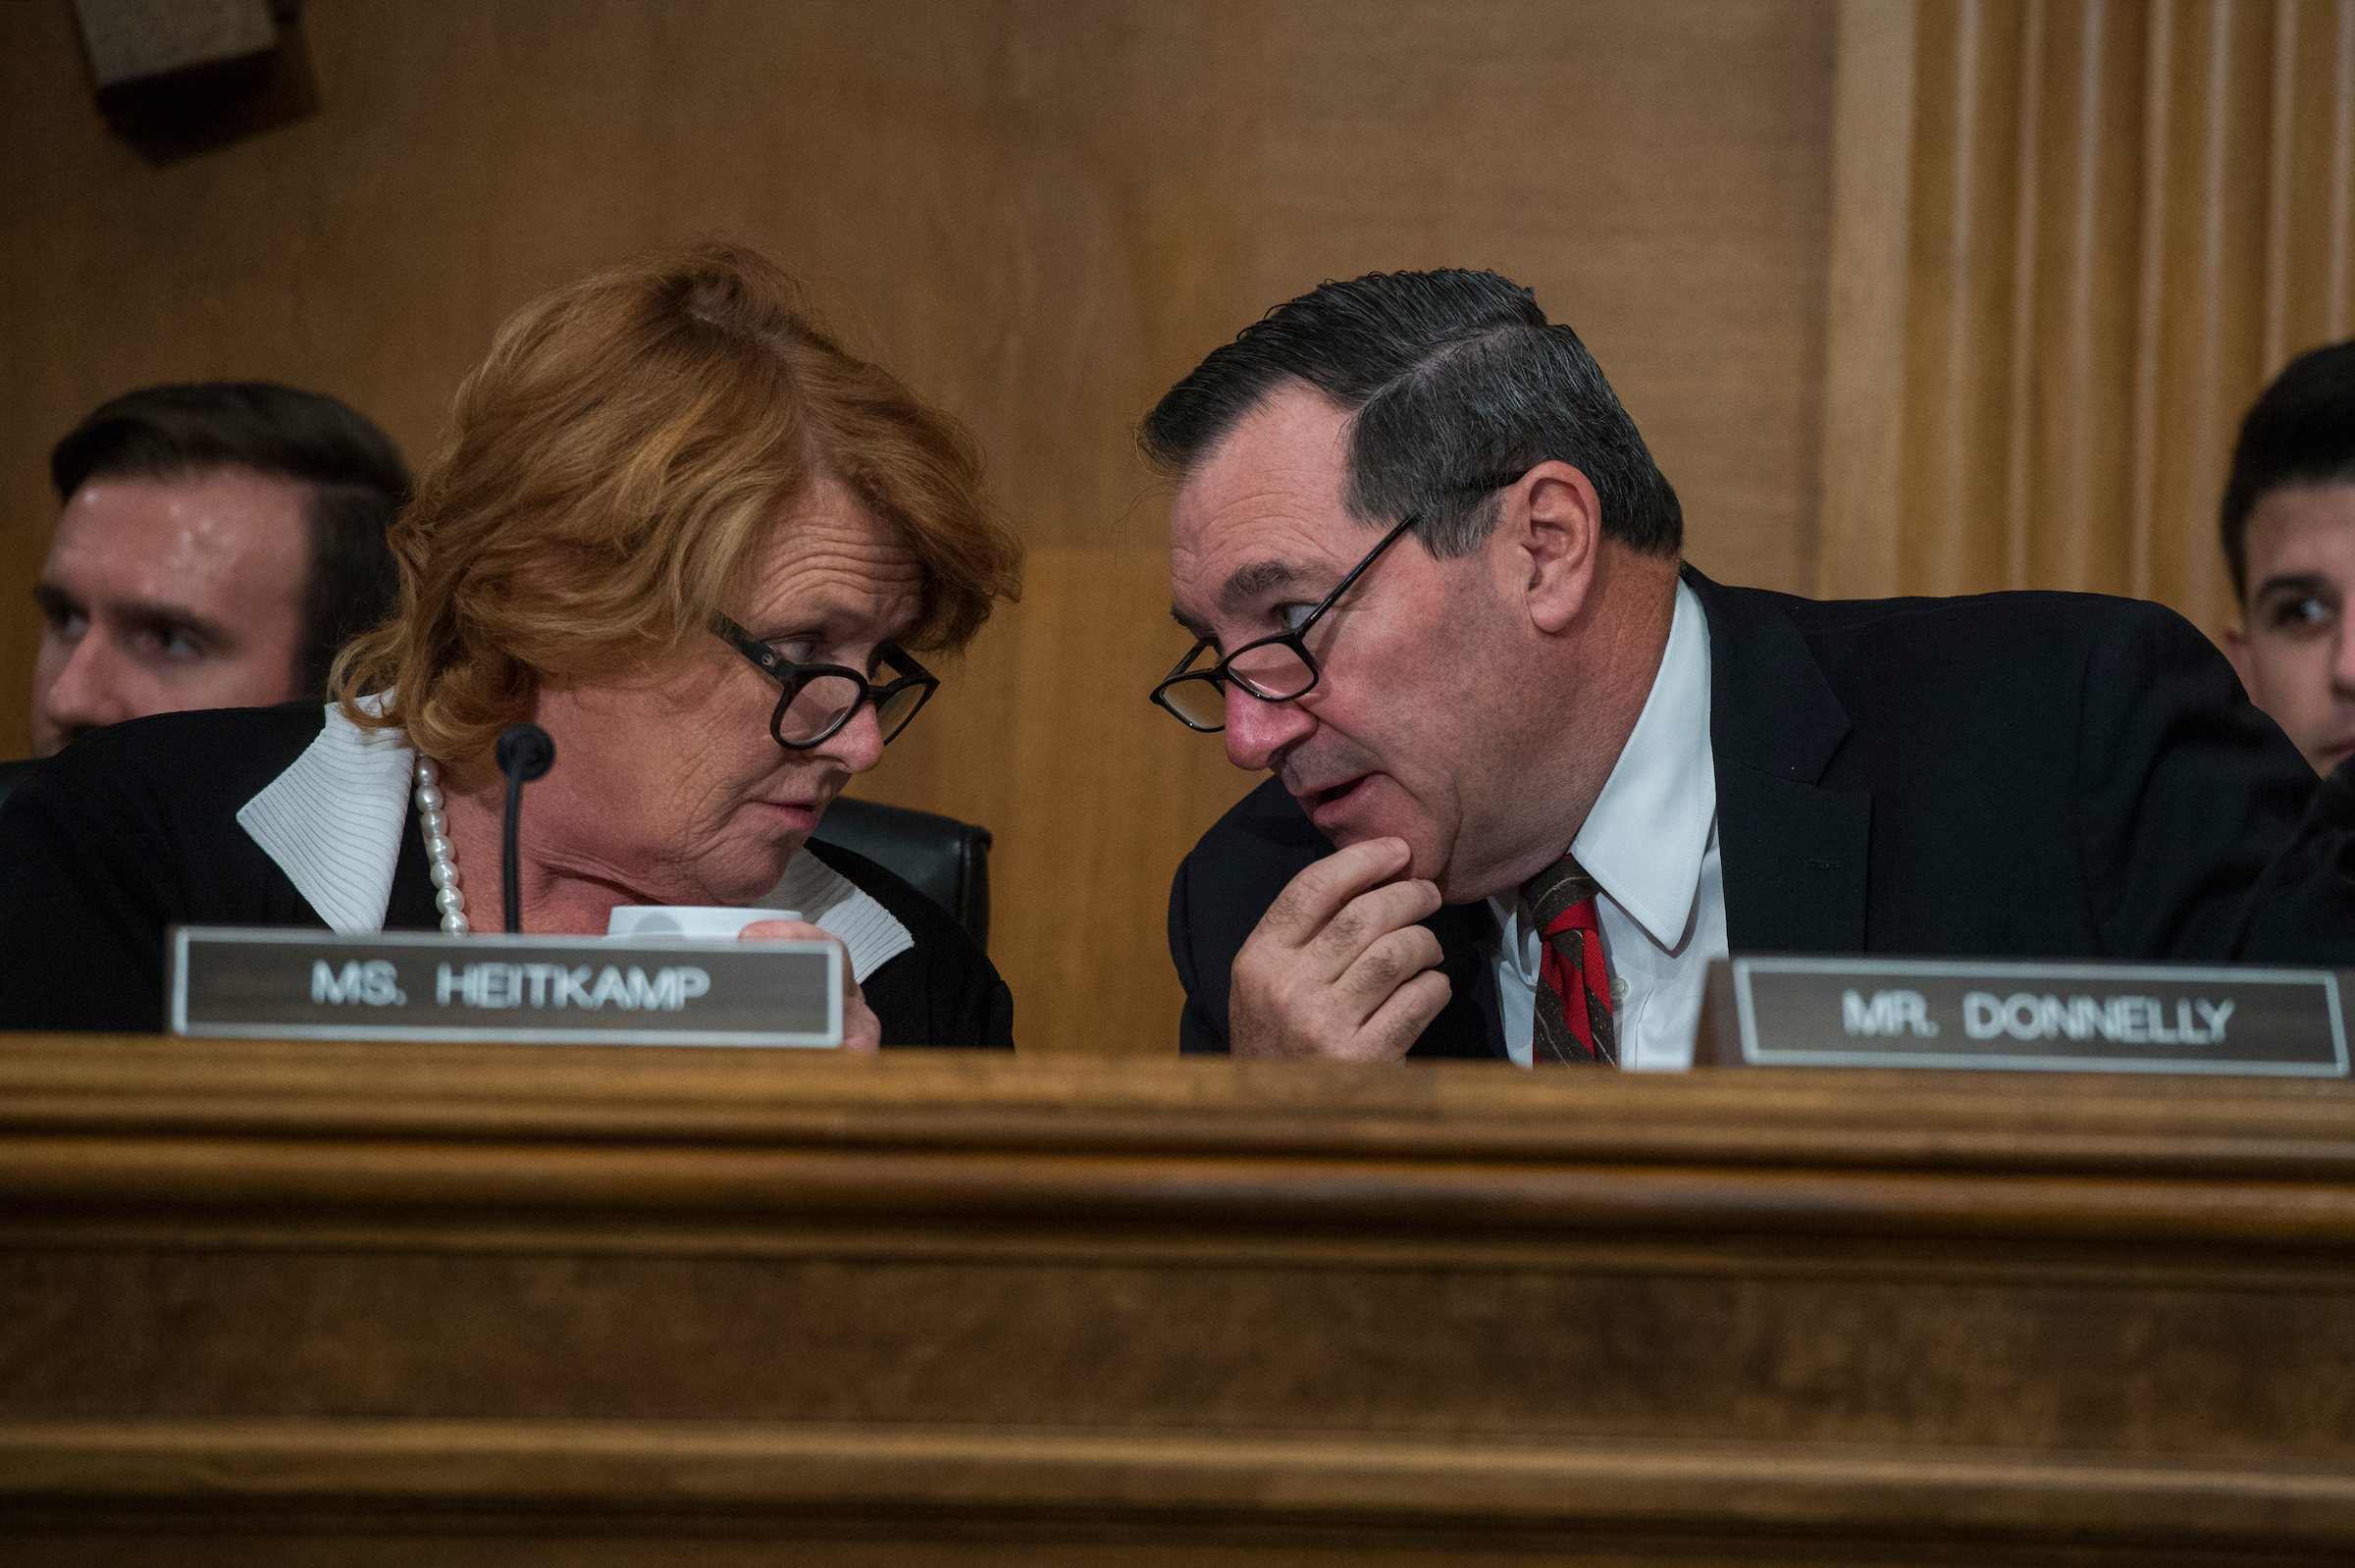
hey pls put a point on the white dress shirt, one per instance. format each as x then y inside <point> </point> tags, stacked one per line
<point>1650,843</point>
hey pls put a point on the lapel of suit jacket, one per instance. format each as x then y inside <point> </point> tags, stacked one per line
<point>1792,851</point>
<point>1472,1024</point>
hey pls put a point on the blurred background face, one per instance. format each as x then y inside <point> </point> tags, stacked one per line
<point>2291,646</point>
<point>670,788</point>
<point>161,594</point>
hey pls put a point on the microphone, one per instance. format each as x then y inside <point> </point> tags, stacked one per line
<point>525,752</point>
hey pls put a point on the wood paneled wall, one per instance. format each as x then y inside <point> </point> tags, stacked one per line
<point>2112,225</point>
<point>1041,214</point>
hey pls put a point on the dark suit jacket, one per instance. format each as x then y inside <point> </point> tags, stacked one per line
<point>2016,775</point>
<point>133,829</point>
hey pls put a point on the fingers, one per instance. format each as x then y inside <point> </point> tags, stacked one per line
<point>1401,1020</point>
<point>861,1030</point>
<point>1365,920</point>
<point>1338,967</point>
<point>1310,900</point>
<point>785,931</point>
<point>1386,964</point>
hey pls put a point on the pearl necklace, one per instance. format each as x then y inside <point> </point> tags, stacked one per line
<point>441,857</point>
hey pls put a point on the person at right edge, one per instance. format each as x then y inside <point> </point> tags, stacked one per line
<point>2288,525</point>
<point>1531,772</point>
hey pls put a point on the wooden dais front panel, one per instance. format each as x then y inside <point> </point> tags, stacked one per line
<point>286,1303</point>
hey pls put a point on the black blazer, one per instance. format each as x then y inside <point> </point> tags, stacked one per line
<point>2057,776</point>
<point>133,829</point>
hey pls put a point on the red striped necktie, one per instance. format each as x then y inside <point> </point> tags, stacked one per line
<point>1573,1024</point>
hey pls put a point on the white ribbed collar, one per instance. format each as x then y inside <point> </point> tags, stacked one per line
<point>333,822</point>
<point>1645,839</point>
<point>836,904</point>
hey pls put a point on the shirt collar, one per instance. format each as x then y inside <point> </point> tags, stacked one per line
<point>334,820</point>
<point>334,823</point>
<point>1645,839</point>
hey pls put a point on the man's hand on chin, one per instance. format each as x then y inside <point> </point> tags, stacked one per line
<point>1337,968</point>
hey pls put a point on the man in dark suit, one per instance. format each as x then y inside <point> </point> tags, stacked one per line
<point>1532,773</point>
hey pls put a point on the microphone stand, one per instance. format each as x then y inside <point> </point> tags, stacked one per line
<point>525,752</point>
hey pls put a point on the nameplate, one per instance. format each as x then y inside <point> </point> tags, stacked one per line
<point>2023,1014</point>
<point>255,983</point>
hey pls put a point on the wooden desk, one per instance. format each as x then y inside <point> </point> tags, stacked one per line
<point>279,1303</point>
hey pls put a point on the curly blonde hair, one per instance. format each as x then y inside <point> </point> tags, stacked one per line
<point>611,466</point>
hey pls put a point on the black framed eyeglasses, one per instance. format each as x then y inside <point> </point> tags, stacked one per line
<point>1274,669</point>
<point>818,699</point>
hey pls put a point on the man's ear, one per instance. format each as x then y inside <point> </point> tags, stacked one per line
<point>1554,522</point>
<point>2236,648</point>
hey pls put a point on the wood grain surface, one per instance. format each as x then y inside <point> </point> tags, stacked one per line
<point>2117,223</point>
<point>350,1303</point>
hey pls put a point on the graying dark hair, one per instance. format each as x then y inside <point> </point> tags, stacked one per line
<point>1454,378</point>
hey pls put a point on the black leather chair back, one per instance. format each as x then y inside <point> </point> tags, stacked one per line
<point>946,860</point>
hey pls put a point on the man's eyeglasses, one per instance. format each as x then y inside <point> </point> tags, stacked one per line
<point>818,699</point>
<point>1274,669</point>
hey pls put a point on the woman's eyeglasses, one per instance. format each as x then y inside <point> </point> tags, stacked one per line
<point>818,699</point>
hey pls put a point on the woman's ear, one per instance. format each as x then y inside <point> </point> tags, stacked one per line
<point>1553,521</point>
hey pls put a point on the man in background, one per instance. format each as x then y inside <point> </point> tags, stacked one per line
<point>219,543</point>
<point>2288,530</point>
<point>1532,772</point>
